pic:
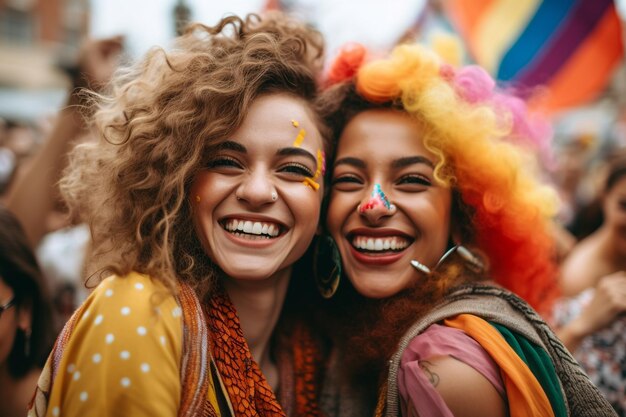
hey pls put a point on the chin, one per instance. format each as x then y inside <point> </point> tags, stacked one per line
<point>376,290</point>
<point>249,274</point>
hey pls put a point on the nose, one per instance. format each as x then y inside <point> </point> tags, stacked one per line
<point>376,206</point>
<point>257,189</point>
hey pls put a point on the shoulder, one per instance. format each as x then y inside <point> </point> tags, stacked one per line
<point>456,381</point>
<point>447,366</point>
<point>582,266</point>
<point>126,337</point>
<point>131,286</point>
<point>134,304</point>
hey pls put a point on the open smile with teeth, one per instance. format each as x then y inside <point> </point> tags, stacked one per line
<point>380,244</point>
<point>252,230</point>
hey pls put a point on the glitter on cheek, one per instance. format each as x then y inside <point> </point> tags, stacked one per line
<point>197,198</point>
<point>295,123</point>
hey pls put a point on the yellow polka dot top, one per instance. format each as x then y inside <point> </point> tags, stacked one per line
<point>123,357</point>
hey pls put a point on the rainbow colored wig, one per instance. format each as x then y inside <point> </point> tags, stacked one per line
<point>487,142</point>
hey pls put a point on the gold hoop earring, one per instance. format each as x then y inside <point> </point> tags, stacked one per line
<point>326,266</point>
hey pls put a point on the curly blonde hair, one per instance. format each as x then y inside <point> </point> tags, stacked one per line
<point>164,116</point>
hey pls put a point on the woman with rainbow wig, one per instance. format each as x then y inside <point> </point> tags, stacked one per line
<point>443,229</point>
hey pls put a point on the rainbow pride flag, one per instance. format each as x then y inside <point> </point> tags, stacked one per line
<point>570,47</point>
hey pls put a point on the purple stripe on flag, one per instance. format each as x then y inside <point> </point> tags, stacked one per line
<point>578,25</point>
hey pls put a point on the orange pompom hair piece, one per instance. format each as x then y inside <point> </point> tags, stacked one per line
<point>346,64</point>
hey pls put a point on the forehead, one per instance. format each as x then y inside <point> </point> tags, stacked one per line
<point>382,134</point>
<point>278,119</point>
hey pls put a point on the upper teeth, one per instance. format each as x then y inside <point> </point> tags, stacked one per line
<point>379,243</point>
<point>255,228</point>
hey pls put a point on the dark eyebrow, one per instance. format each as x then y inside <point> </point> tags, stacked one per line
<point>355,162</point>
<point>230,145</point>
<point>410,160</point>
<point>296,151</point>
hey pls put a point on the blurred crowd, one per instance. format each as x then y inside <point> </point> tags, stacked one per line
<point>44,251</point>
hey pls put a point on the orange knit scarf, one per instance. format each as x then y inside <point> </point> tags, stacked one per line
<point>248,390</point>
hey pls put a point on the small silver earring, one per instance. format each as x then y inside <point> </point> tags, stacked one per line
<point>471,260</point>
<point>420,267</point>
<point>274,196</point>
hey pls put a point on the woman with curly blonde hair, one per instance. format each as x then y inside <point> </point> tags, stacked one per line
<point>202,191</point>
<point>443,227</point>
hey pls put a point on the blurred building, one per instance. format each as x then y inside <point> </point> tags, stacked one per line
<point>37,37</point>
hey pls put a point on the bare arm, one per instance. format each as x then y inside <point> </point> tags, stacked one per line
<point>464,390</point>
<point>608,302</point>
<point>33,194</point>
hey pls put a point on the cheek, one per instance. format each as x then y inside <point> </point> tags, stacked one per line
<point>208,189</point>
<point>434,216</point>
<point>304,202</point>
<point>7,336</point>
<point>337,212</point>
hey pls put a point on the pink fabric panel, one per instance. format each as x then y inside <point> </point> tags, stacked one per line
<point>417,394</point>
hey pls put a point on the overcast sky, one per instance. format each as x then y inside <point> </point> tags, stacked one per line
<point>149,22</point>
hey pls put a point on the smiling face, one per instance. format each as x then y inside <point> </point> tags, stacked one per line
<point>382,150</point>
<point>255,205</point>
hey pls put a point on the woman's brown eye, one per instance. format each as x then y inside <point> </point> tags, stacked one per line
<point>348,179</point>
<point>415,179</point>
<point>298,169</point>
<point>223,162</point>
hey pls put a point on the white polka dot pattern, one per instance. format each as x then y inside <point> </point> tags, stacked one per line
<point>128,350</point>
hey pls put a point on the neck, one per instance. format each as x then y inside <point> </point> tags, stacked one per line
<point>258,305</point>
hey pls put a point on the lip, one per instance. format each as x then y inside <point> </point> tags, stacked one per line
<point>260,243</point>
<point>252,218</point>
<point>379,232</point>
<point>375,259</point>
